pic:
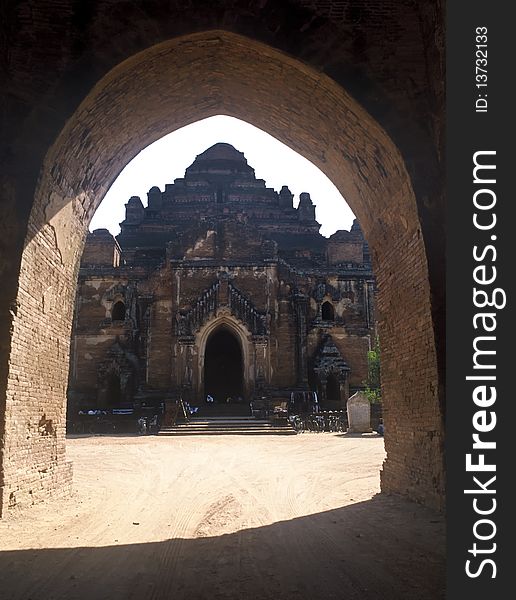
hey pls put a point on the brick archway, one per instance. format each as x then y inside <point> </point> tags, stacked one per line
<point>224,320</point>
<point>239,373</point>
<point>304,109</point>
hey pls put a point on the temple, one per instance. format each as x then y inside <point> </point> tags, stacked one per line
<point>220,286</point>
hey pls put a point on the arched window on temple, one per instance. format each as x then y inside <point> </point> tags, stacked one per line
<point>118,312</point>
<point>327,311</point>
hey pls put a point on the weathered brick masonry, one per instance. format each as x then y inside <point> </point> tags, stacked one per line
<point>356,87</point>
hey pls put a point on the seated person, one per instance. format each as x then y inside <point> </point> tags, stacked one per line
<point>191,409</point>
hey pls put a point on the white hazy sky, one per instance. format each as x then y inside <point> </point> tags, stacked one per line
<point>167,159</point>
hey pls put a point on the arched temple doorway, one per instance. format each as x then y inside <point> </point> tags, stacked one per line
<point>113,389</point>
<point>223,366</point>
<point>118,313</point>
<point>327,311</point>
<point>333,388</point>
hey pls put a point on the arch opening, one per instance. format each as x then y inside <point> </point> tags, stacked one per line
<point>327,311</point>
<point>113,389</point>
<point>223,367</point>
<point>332,389</point>
<point>257,84</point>
<point>118,312</point>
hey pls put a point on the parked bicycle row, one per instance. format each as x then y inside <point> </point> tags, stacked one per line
<point>108,421</point>
<point>319,422</point>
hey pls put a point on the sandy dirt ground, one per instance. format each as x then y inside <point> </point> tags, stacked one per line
<point>224,517</point>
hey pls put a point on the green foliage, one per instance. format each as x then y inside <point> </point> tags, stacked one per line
<point>372,383</point>
<point>374,396</point>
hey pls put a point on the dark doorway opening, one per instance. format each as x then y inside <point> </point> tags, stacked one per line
<point>327,312</point>
<point>118,313</point>
<point>223,367</point>
<point>332,389</point>
<point>113,389</point>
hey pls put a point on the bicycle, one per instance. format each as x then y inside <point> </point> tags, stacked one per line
<point>297,423</point>
<point>143,426</point>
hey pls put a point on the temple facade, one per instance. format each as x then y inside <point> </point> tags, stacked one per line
<point>220,287</point>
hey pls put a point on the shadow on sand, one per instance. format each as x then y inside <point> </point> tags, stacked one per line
<point>382,549</point>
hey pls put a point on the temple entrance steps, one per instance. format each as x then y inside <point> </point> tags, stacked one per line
<point>228,425</point>
<point>206,410</point>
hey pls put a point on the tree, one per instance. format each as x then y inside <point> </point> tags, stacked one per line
<point>372,383</point>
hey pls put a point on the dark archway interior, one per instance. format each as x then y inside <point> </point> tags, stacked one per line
<point>223,366</point>
<point>327,311</point>
<point>118,313</point>
<point>332,389</point>
<point>113,391</point>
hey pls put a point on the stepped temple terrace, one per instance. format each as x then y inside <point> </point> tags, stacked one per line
<point>220,288</point>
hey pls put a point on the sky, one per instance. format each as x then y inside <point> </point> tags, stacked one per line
<point>166,159</point>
